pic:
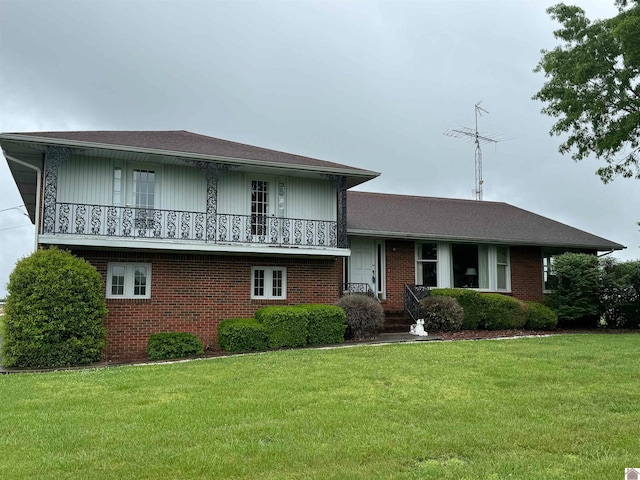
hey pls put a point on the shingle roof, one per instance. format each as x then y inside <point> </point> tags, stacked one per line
<point>403,216</point>
<point>181,141</point>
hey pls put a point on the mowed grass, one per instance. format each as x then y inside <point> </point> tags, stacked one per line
<point>559,407</point>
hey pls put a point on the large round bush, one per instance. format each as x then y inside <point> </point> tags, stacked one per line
<point>441,314</point>
<point>365,316</point>
<point>54,312</point>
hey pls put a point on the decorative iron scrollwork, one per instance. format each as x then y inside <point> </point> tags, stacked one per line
<point>81,211</point>
<point>96,214</point>
<point>63,218</point>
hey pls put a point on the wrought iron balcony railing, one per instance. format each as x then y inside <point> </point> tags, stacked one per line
<point>412,296</point>
<point>175,225</point>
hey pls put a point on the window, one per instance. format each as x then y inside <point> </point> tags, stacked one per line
<point>547,272</point>
<point>485,267</point>
<point>129,280</point>
<point>259,207</point>
<point>502,264</point>
<point>428,264</point>
<point>269,282</point>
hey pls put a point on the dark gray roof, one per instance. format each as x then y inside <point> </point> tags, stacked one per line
<point>183,142</point>
<point>403,216</point>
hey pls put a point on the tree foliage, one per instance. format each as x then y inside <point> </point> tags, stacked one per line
<point>593,87</point>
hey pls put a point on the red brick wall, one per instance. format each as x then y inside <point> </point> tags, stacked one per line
<point>192,293</point>
<point>400,266</point>
<point>526,273</point>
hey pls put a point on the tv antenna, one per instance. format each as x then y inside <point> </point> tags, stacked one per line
<point>473,134</point>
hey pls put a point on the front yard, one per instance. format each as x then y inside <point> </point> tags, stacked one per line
<point>558,407</point>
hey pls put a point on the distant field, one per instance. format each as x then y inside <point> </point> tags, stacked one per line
<point>562,407</point>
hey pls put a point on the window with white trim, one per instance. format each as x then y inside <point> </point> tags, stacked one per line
<point>444,265</point>
<point>129,280</point>
<point>428,264</point>
<point>269,282</point>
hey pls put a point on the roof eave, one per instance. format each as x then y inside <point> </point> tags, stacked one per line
<point>494,241</point>
<point>355,176</point>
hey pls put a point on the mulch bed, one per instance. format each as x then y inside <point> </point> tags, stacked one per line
<point>482,334</point>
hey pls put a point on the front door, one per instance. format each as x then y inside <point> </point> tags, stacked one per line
<point>362,263</point>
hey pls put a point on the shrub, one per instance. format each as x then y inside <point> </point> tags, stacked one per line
<point>539,317</point>
<point>54,312</point>
<point>620,293</point>
<point>284,326</point>
<point>161,346</point>
<point>471,302</point>
<point>502,312</point>
<point>441,314</point>
<point>242,334</point>
<point>575,296</point>
<point>327,324</point>
<point>364,314</point>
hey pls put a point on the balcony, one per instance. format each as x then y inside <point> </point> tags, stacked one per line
<point>112,223</point>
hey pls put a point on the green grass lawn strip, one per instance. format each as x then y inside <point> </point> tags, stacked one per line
<point>550,408</point>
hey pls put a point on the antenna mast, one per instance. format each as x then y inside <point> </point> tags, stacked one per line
<point>468,133</point>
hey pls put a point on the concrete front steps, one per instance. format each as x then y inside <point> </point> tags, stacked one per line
<point>396,321</point>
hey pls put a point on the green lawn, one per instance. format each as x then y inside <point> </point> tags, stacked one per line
<point>560,407</point>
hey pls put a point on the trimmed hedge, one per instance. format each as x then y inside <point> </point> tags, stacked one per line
<point>242,334</point>
<point>284,326</point>
<point>471,302</point>
<point>327,324</point>
<point>365,316</point>
<point>441,314</point>
<point>165,345</point>
<point>54,312</point>
<point>502,312</point>
<point>540,317</point>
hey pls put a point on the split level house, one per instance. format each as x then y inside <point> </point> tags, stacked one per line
<point>187,230</point>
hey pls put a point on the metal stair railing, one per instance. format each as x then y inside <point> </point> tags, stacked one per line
<point>356,289</point>
<point>412,296</point>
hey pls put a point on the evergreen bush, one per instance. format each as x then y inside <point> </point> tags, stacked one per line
<point>575,295</point>
<point>441,314</point>
<point>539,317</point>
<point>365,316</point>
<point>471,302</point>
<point>620,293</point>
<point>242,334</point>
<point>327,324</point>
<point>502,312</point>
<point>54,312</point>
<point>284,326</point>
<point>166,345</point>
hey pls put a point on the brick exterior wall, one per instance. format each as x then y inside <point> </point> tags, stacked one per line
<point>526,273</point>
<point>400,268</point>
<point>193,293</point>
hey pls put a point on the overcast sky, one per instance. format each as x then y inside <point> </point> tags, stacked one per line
<point>370,84</point>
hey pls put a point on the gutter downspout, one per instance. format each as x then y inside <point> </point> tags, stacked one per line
<point>38,187</point>
<point>605,253</point>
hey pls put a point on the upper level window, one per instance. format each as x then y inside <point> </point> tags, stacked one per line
<point>259,207</point>
<point>129,280</point>
<point>428,264</point>
<point>269,282</point>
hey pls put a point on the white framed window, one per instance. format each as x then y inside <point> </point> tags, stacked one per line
<point>269,282</point>
<point>482,267</point>
<point>259,207</point>
<point>427,266</point>
<point>129,280</point>
<point>547,272</point>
